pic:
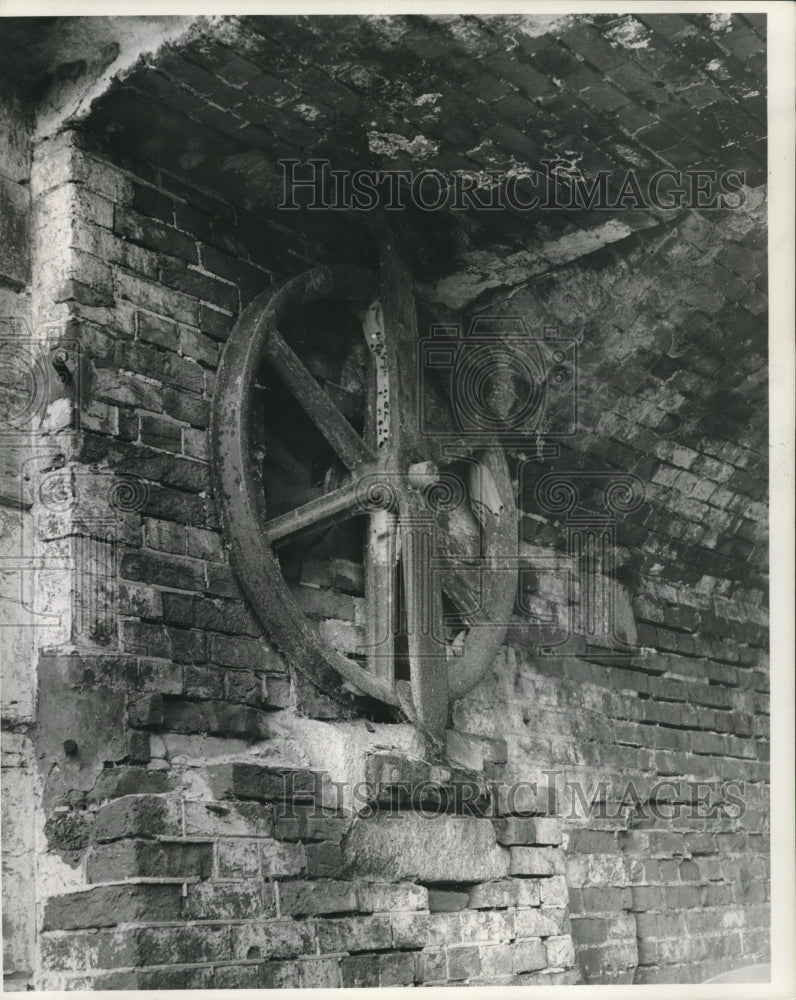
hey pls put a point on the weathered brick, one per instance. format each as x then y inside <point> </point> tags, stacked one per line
<point>484,925</point>
<point>214,717</point>
<point>397,969</point>
<point>153,203</point>
<point>528,830</point>
<point>431,966</point>
<point>309,823</point>
<point>214,322</point>
<point>536,861</point>
<point>161,946</point>
<point>153,235</point>
<point>324,860</point>
<point>446,900</point>
<point>589,930</point>
<point>129,858</point>
<point>528,955</point>
<point>592,841</point>
<point>186,406</point>
<point>554,891</point>
<point>307,898</point>
<point>244,780</point>
<point>360,971</point>
<point>539,922</point>
<point>190,647</point>
<point>353,934</point>
<point>156,330</point>
<point>418,930</point>
<point>491,895</point>
<point>137,816</point>
<point>228,819</point>
<point>238,859</point>
<point>118,781</point>
<point>107,906</point>
<point>179,574</point>
<point>245,686</point>
<point>175,274</point>
<point>375,897</point>
<point>145,638</point>
<point>125,389</point>
<point>319,973</point>
<point>279,975</point>
<point>164,366</point>
<point>244,653</point>
<point>495,961</point>
<point>159,432</point>
<point>464,963</point>
<point>280,859</point>
<point>560,952</point>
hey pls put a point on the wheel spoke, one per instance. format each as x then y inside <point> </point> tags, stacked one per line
<point>381,558</point>
<point>331,508</point>
<point>342,437</point>
<point>425,633</point>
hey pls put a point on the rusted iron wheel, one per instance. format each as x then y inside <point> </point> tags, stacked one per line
<point>395,478</point>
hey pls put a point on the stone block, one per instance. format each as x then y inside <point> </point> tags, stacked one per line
<point>440,848</point>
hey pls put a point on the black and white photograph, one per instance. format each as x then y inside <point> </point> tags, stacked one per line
<point>396,497</point>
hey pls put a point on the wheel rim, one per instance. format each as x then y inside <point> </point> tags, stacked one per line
<point>251,535</point>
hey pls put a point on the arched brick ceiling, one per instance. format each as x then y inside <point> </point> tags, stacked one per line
<point>603,92</point>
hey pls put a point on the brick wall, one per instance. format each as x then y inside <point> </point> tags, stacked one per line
<point>170,747</point>
<point>673,376</point>
<point>169,860</point>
